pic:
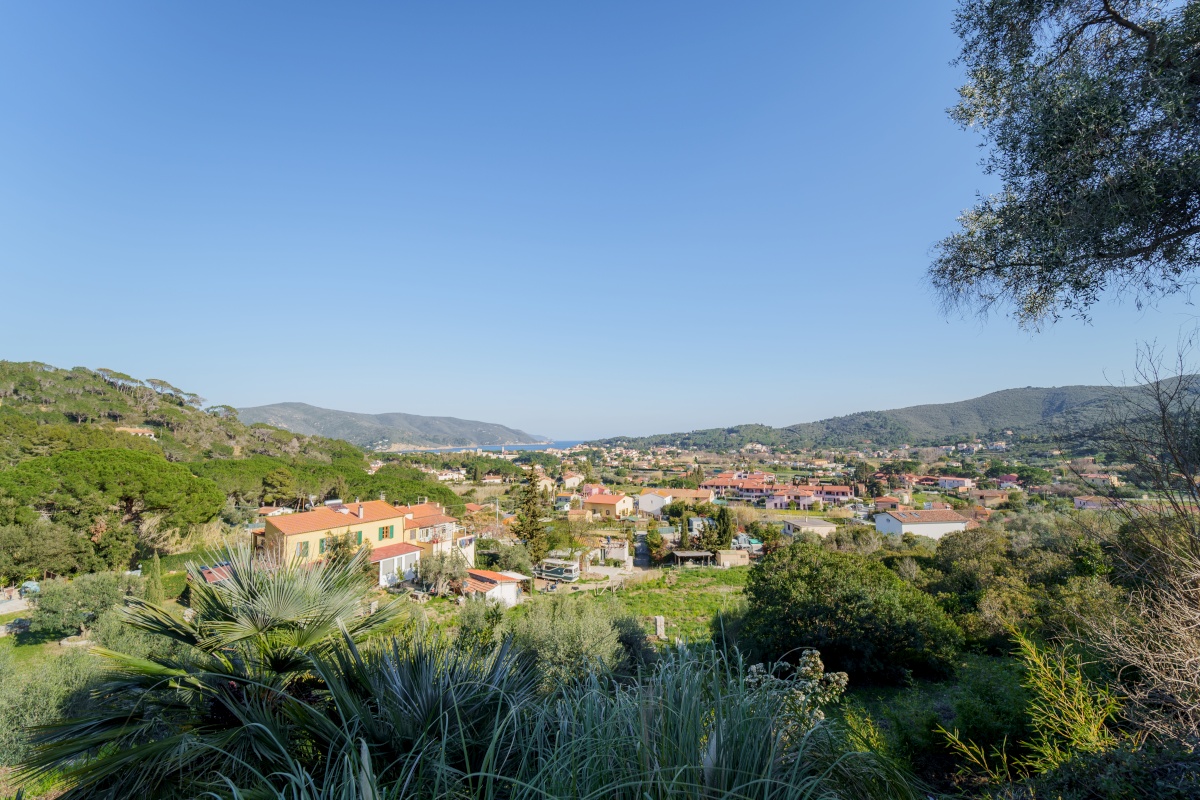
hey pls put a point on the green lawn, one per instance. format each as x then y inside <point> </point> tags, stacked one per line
<point>174,584</point>
<point>27,648</point>
<point>688,598</point>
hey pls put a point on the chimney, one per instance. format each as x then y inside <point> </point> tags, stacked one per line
<point>360,511</point>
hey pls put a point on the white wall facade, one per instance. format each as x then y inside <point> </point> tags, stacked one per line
<point>398,568</point>
<point>887,524</point>
<point>652,503</point>
<point>507,594</point>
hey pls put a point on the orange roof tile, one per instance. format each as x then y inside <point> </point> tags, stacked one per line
<point>488,575</point>
<point>926,515</point>
<point>392,550</point>
<point>605,499</point>
<point>326,518</point>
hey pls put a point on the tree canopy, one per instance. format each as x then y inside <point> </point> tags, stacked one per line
<point>76,486</point>
<point>1090,108</point>
<point>862,617</point>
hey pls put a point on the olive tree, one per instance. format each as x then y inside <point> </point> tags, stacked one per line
<point>1091,109</point>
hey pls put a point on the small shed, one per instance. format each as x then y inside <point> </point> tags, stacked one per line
<point>499,587</point>
<point>733,558</point>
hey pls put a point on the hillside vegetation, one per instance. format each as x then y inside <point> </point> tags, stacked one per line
<point>79,493</point>
<point>1032,413</point>
<point>44,410</point>
<point>386,431</point>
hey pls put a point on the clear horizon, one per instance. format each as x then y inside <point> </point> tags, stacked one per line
<point>579,222</point>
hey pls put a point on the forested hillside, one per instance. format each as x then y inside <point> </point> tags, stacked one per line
<point>1032,413</point>
<point>80,491</point>
<point>386,431</point>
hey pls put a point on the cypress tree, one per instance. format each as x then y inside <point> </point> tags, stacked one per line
<point>529,527</point>
<point>155,594</point>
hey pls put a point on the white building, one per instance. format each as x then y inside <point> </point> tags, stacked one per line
<point>651,501</point>
<point>821,527</point>
<point>397,562</point>
<point>934,523</point>
<point>499,587</point>
<point>951,482</point>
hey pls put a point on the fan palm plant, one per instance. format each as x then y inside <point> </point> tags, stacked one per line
<point>239,690</point>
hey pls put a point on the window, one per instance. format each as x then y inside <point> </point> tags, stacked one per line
<point>302,549</point>
<point>386,532</point>
<point>321,545</point>
<point>358,537</point>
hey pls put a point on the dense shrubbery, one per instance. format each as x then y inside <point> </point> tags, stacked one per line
<point>565,637</point>
<point>39,696</point>
<point>285,698</point>
<point>37,549</point>
<point>264,479</point>
<point>65,608</point>
<point>862,617</point>
<point>118,497</point>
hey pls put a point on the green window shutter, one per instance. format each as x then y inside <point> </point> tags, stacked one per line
<point>358,536</point>
<point>321,546</point>
<point>381,533</point>
<point>391,531</point>
<point>302,549</point>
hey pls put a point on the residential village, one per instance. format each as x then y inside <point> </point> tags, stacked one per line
<point>608,507</point>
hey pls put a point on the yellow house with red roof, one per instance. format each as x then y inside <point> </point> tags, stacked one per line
<point>609,505</point>
<point>308,535</point>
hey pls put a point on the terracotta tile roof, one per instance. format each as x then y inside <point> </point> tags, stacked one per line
<point>473,508</point>
<point>488,575</point>
<point>326,518</point>
<point>216,574</point>
<point>604,499</point>
<point>427,522</point>
<point>722,481</point>
<point>392,550</point>
<point>924,516</point>
<point>421,510</point>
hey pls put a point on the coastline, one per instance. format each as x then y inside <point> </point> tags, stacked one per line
<point>544,445</point>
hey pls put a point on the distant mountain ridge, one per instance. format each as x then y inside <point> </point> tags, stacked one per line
<point>1032,412</point>
<point>393,431</point>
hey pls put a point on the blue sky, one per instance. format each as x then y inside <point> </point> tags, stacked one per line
<point>577,219</point>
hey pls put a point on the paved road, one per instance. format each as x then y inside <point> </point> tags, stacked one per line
<point>13,606</point>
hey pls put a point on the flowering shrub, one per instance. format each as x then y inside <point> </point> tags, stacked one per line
<point>799,693</point>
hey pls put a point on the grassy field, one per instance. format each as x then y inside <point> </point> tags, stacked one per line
<point>29,648</point>
<point>688,598</point>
